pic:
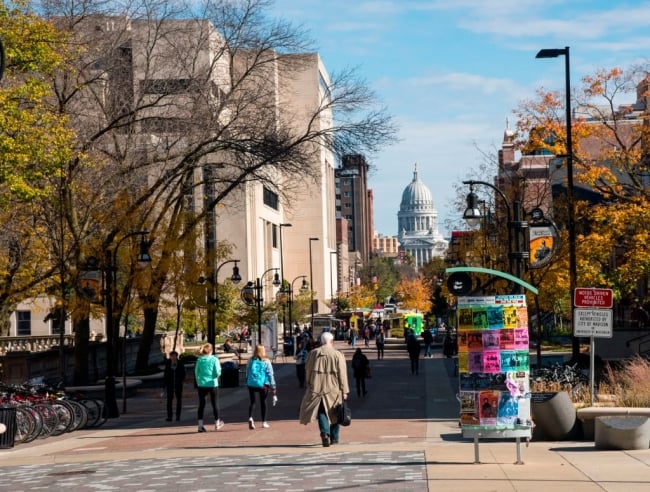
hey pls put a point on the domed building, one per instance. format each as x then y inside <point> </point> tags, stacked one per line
<point>417,221</point>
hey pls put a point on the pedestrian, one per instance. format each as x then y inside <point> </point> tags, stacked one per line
<point>427,337</point>
<point>301,359</point>
<point>327,387</point>
<point>413,348</point>
<point>206,375</point>
<point>260,380</point>
<point>353,336</point>
<point>366,336</point>
<point>360,370</point>
<point>174,376</point>
<point>380,341</point>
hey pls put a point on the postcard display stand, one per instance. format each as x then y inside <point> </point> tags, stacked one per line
<point>494,369</point>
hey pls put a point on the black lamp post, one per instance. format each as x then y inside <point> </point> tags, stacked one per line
<point>573,270</point>
<point>516,253</point>
<point>303,288</point>
<point>251,294</point>
<point>111,294</point>
<point>213,298</point>
<point>284,321</point>
<point>311,283</point>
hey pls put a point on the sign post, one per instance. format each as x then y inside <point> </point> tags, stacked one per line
<point>592,317</point>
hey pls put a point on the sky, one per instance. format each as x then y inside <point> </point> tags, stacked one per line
<point>451,72</point>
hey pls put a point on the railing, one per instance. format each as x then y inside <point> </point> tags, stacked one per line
<point>642,340</point>
<point>33,343</point>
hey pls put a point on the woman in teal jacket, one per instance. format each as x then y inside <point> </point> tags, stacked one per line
<point>206,374</point>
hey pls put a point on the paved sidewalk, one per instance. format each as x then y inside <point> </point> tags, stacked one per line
<point>404,436</point>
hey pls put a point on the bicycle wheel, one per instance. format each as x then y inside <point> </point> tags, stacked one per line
<point>79,414</point>
<point>103,417</point>
<point>38,423</point>
<point>64,418</point>
<point>24,425</point>
<point>49,417</point>
<point>93,410</point>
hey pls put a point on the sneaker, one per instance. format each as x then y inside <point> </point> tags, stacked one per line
<point>251,424</point>
<point>265,425</point>
<point>202,429</point>
<point>326,439</point>
<point>219,424</point>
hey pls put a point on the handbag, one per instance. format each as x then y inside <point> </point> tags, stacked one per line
<point>344,414</point>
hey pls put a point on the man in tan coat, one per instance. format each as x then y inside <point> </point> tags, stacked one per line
<point>327,386</point>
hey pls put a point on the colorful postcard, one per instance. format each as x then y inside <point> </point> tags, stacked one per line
<point>507,339</point>
<point>523,360</point>
<point>509,317</point>
<point>475,341</point>
<point>482,381</point>
<point>468,401</point>
<point>508,360</point>
<point>463,364</point>
<point>508,411</point>
<point>465,319</point>
<point>490,340</point>
<point>466,381</point>
<point>495,317</point>
<point>521,338</point>
<point>480,318</point>
<point>522,317</point>
<point>491,361</point>
<point>498,381</point>
<point>461,338</point>
<point>488,402</point>
<point>475,361</point>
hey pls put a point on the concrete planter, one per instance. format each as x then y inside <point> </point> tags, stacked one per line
<point>555,417</point>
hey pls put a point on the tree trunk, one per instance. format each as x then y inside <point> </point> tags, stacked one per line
<point>80,355</point>
<point>148,332</point>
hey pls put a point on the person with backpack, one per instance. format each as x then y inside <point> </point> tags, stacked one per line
<point>360,369</point>
<point>260,379</point>
<point>206,376</point>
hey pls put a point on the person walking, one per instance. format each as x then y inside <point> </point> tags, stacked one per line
<point>260,379</point>
<point>366,336</point>
<point>353,336</point>
<point>327,387</point>
<point>206,375</point>
<point>174,376</point>
<point>380,341</point>
<point>427,337</point>
<point>413,348</point>
<point>360,370</point>
<point>301,359</point>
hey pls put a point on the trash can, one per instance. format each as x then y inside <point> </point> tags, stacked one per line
<point>288,346</point>
<point>8,418</point>
<point>229,375</point>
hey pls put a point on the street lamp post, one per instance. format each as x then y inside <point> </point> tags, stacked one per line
<point>303,288</point>
<point>252,294</point>
<point>311,283</point>
<point>516,253</point>
<point>110,257</point>
<point>333,253</point>
<point>573,270</point>
<point>284,321</point>
<point>213,298</point>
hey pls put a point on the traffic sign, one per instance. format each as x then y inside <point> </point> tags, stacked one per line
<point>592,323</point>
<point>593,298</point>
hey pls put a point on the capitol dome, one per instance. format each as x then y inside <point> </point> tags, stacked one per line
<point>416,195</point>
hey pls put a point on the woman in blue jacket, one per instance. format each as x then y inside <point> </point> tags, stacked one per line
<point>206,374</point>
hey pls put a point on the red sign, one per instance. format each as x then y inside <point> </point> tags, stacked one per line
<point>593,298</point>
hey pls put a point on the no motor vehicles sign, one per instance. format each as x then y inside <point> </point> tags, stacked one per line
<point>593,298</point>
<point>592,323</point>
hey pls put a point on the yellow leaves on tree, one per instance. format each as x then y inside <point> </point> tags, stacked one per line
<point>361,296</point>
<point>414,294</point>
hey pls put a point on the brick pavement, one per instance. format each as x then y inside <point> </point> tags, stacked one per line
<point>404,436</point>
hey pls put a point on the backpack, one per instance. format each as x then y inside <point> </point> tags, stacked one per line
<point>256,374</point>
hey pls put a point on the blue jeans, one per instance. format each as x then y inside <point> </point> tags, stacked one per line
<point>324,426</point>
<point>428,350</point>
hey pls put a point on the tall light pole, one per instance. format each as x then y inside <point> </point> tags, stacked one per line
<point>516,251</point>
<point>111,294</point>
<point>303,288</point>
<point>252,294</point>
<point>311,283</point>
<point>333,253</point>
<point>213,298</point>
<point>284,321</point>
<point>573,270</point>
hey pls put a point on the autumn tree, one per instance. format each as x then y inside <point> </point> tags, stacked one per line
<point>414,294</point>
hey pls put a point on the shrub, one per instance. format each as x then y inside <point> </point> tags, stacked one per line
<point>630,382</point>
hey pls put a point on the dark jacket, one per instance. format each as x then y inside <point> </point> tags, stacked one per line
<point>413,347</point>
<point>360,365</point>
<point>174,377</point>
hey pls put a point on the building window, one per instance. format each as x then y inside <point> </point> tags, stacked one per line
<point>271,199</point>
<point>274,236</point>
<point>23,323</point>
<point>347,182</point>
<point>347,204</point>
<point>347,193</point>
